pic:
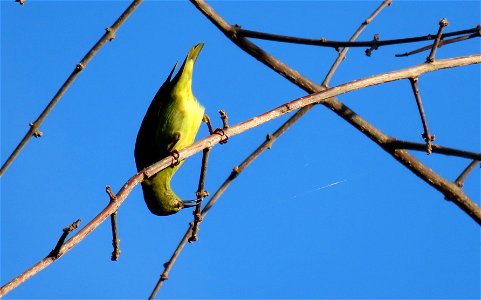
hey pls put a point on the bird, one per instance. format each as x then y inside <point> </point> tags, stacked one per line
<point>169,125</point>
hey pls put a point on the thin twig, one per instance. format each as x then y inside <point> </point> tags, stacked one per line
<point>201,193</point>
<point>428,138</point>
<point>267,144</point>
<point>443,23</point>
<point>323,42</point>
<point>448,188</point>
<point>224,118</point>
<point>168,265</point>
<point>342,53</point>
<point>109,35</point>
<point>460,180</point>
<point>55,252</point>
<point>407,145</point>
<point>442,43</point>
<point>191,234</point>
<point>113,222</point>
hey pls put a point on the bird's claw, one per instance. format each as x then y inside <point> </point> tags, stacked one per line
<point>175,155</point>
<point>221,132</point>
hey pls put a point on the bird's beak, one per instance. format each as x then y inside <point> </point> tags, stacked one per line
<point>190,203</point>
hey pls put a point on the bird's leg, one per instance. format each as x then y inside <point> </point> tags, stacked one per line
<point>219,131</point>
<point>206,120</point>
<point>173,152</point>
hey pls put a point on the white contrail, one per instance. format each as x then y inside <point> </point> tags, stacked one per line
<point>319,188</point>
<point>331,184</point>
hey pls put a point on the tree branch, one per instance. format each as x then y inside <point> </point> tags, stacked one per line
<point>398,144</point>
<point>460,180</point>
<point>342,53</point>
<point>109,35</point>
<point>428,138</point>
<point>442,43</point>
<point>449,189</point>
<point>322,42</point>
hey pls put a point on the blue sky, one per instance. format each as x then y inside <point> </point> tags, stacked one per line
<point>324,214</point>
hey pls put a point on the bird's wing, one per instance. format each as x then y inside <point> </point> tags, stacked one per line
<point>162,94</point>
<point>145,145</point>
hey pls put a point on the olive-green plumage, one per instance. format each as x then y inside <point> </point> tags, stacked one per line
<point>171,123</point>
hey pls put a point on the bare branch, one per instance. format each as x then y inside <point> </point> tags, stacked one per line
<point>55,252</point>
<point>201,193</point>
<point>236,171</point>
<point>109,35</point>
<point>113,222</point>
<point>342,53</point>
<point>323,42</point>
<point>460,180</point>
<point>449,189</point>
<point>428,138</point>
<point>168,265</point>
<point>79,236</point>
<point>398,144</point>
<point>443,23</point>
<point>443,42</point>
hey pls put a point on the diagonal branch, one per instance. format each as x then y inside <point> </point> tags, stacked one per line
<point>342,53</point>
<point>109,35</point>
<point>449,189</point>
<point>265,145</point>
<point>460,180</point>
<point>270,138</point>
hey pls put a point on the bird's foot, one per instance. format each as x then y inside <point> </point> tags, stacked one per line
<point>175,155</point>
<point>219,131</point>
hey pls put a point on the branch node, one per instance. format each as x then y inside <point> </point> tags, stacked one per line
<point>110,33</point>
<point>443,22</point>
<point>269,138</point>
<point>374,46</point>
<point>56,251</point>
<point>80,67</point>
<point>202,194</point>
<point>36,133</point>
<point>164,276</point>
<point>113,198</point>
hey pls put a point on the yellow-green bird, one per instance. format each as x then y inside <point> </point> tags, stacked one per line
<point>170,124</point>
